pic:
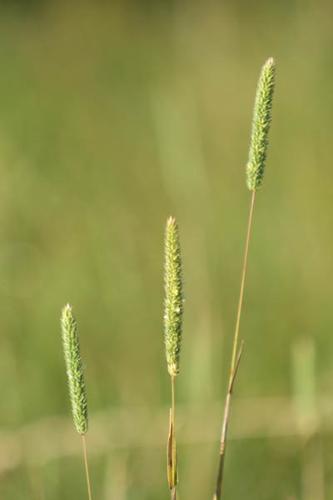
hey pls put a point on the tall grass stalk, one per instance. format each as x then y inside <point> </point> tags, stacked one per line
<point>86,465</point>
<point>254,177</point>
<point>173,324</point>
<point>76,383</point>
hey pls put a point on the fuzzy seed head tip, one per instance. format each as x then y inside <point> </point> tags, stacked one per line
<point>262,116</point>
<point>173,302</point>
<point>67,310</point>
<point>74,370</point>
<point>171,221</point>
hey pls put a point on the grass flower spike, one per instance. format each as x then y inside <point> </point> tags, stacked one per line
<point>260,126</point>
<point>173,324</point>
<point>173,314</point>
<point>77,389</point>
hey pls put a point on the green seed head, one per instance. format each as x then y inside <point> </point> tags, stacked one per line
<point>260,126</point>
<point>173,306</point>
<point>77,389</point>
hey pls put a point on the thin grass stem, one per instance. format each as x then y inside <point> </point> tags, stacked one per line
<point>173,406</point>
<point>242,286</point>
<point>236,355</point>
<point>86,466</point>
<point>172,449</point>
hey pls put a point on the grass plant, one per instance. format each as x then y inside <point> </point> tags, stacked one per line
<point>254,177</point>
<point>76,382</point>
<point>173,324</point>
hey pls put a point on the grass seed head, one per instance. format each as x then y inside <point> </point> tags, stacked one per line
<point>262,116</point>
<point>74,369</point>
<point>173,305</point>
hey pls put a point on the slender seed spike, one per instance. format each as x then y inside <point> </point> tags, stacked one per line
<point>262,116</point>
<point>173,307</point>
<point>74,369</point>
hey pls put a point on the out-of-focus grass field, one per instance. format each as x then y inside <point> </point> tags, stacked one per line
<point>113,117</point>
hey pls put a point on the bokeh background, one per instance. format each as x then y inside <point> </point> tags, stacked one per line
<point>114,115</point>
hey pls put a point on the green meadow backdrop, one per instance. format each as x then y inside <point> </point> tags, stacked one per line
<point>113,116</point>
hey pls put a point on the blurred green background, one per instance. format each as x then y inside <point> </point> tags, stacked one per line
<point>114,115</point>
